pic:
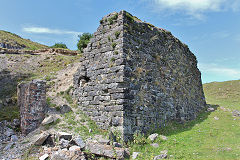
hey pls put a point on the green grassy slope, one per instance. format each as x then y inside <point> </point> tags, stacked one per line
<point>206,137</point>
<point>223,93</point>
<point>15,40</point>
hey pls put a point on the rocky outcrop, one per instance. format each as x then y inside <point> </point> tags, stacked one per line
<point>39,51</point>
<point>32,104</point>
<point>11,46</point>
<point>135,76</point>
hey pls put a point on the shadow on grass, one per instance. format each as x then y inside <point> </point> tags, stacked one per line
<point>175,127</point>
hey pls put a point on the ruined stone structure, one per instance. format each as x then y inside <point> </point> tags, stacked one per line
<point>32,103</point>
<point>134,76</point>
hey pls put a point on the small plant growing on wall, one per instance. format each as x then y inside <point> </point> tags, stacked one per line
<point>114,45</point>
<point>117,33</point>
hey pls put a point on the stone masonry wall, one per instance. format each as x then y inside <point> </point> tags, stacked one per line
<point>32,103</point>
<point>162,77</point>
<point>100,75</point>
<point>134,76</point>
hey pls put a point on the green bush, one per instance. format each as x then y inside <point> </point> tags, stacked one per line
<point>114,45</point>
<point>117,33</point>
<point>59,45</point>
<point>83,41</point>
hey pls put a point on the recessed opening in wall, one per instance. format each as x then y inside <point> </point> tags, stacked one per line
<point>83,80</point>
<point>105,90</point>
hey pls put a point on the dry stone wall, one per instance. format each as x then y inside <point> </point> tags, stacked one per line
<point>32,104</point>
<point>134,76</point>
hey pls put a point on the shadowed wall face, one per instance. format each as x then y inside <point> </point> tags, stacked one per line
<point>32,103</point>
<point>134,76</point>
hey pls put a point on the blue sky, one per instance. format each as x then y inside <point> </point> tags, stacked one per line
<point>211,28</point>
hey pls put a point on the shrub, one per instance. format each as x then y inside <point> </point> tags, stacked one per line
<point>114,45</point>
<point>114,17</point>
<point>59,45</point>
<point>83,41</point>
<point>139,138</point>
<point>117,33</point>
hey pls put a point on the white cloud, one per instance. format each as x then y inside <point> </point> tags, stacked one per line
<point>43,30</point>
<point>196,8</point>
<point>217,70</point>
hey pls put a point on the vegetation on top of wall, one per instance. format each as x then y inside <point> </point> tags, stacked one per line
<point>117,33</point>
<point>83,41</point>
<point>111,19</point>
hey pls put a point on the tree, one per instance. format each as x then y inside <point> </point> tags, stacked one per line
<point>59,45</point>
<point>83,40</point>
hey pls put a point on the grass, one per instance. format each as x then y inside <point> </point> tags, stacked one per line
<point>9,113</point>
<point>15,40</point>
<point>49,66</point>
<point>205,137</point>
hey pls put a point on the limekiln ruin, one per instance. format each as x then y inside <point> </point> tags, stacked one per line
<point>134,76</point>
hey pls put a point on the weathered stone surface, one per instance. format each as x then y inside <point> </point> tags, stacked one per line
<point>152,137</point>
<point>74,148</point>
<point>135,155</point>
<point>210,109</point>
<point>116,144</point>
<point>134,76</point>
<point>43,157</point>
<point>107,150</point>
<point>65,109</point>
<point>236,113</point>
<point>32,104</point>
<point>64,143</point>
<point>79,142</point>
<point>155,145</point>
<point>64,135</point>
<point>14,138</point>
<point>163,155</point>
<point>162,137</point>
<point>48,120</point>
<point>40,139</point>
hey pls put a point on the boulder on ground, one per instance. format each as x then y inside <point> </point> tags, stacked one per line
<point>41,138</point>
<point>48,120</point>
<point>43,157</point>
<point>152,137</point>
<point>64,135</point>
<point>65,109</point>
<point>135,155</point>
<point>162,137</point>
<point>107,151</point>
<point>236,113</point>
<point>78,141</point>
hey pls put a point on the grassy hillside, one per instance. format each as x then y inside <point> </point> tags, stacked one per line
<point>213,135</point>
<point>224,93</point>
<point>15,40</point>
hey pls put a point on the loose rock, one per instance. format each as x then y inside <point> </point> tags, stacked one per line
<point>155,145</point>
<point>236,113</point>
<point>64,135</point>
<point>164,138</point>
<point>14,138</point>
<point>79,142</point>
<point>65,109</point>
<point>135,154</point>
<point>74,148</point>
<point>152,137</point>
<point>48,120</point>
<point>41,138</point>
<point>43,157</point>
<point>107,150</point>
